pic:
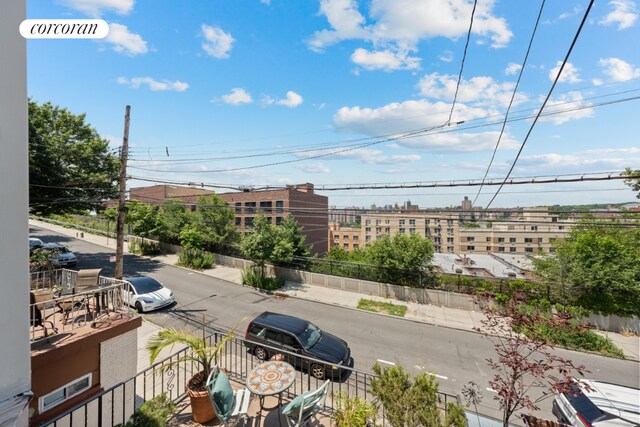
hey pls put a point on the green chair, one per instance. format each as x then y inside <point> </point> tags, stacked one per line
<point>301,409</point>
<point>229,406</point>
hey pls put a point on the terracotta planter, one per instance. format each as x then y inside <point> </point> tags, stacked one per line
<point>201,408</point>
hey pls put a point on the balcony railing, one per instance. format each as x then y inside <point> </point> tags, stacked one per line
<point>116,404</point>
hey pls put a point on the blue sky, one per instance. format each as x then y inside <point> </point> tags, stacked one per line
<point>326,88</point>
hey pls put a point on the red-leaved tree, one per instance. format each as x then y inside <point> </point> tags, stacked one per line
<point>527,370</point>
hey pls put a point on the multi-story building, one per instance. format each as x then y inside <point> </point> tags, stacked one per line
<point>347,238</point>
<point>310,210</point>
<point>526,233</point>
<point>156,194</point>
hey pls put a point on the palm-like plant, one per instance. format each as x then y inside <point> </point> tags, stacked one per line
<point>199,352</point>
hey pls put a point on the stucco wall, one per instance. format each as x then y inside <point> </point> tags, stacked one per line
<point>118,359</point>
<point>14,312</point>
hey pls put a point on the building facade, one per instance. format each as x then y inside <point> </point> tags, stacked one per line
<point>310,210</point>
<point>156,194</point>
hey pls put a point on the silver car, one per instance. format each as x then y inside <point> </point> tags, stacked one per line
<point>61,256</point>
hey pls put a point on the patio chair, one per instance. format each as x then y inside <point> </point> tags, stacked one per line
<point>36,318</point>
<point>301,410</point>
<point>228,405</point>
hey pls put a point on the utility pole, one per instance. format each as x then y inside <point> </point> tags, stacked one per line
<point>124,154</point>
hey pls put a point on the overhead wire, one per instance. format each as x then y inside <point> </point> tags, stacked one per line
<point>555,81</point>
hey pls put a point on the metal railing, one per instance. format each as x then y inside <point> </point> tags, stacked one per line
<point>60,278</point>
<point>54,315</point>
<point>116,404</point>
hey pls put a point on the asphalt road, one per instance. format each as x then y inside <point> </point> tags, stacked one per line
<point>455,356</point>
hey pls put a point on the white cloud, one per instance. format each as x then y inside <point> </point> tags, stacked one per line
<point>98,7</point>
<point>292,100</point>
<point>483,90</point>
<point>446,56</point>
<point>397,117</point>
<point>314,168</point>
<point>386,60</point>
<point>124,41</point>
<point>596,82</point>
<point>619,70</point>
<point>512,69</point>
<point>404,23</point>
<point>267,2</point>
<point>624,151</point>
<point>569,73</point>
<point>217,43</point>
<point>237,96</point>
<point>575,161</point>
<point>624,13</point>
<point>114,142</point>
<point>568,101</point>
<point>154,85</point>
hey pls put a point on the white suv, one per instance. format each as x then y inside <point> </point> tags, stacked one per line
<point>603,405</point>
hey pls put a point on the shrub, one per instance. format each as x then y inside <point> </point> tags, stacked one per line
<point>252,278</point>
<point>195,259</point>
<point>153,413</point>
<point>145,248</point>
<point>353,412</point>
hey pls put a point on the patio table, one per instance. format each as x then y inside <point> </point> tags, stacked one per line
<point>271,378</point>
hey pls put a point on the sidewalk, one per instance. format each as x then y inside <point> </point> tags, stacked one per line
<point>431,314</point>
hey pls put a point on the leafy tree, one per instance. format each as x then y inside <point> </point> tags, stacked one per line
<point>292,232</point>
<point>214,219</point>
<point>411,402</point>
<point>172,219</point>
<point>267,243</point>
<point>598,265</point>
<point>190,238</point>
<point>142,218</point>
<point>402,251</point>
<point>525,360</point>
<point>70,166</point>
<point>634,183</point>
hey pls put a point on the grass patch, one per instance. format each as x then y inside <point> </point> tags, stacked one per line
<point>195,260</point>
<point>253,278</point>
<point>382,307</point>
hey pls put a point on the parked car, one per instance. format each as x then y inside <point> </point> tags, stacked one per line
<point>301,337</point>
<point>601,405</point>
<point>35,243</point>
<point>61,256</point>
<point>146,293</point>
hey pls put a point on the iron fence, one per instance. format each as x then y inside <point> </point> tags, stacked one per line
<point>116,404</point>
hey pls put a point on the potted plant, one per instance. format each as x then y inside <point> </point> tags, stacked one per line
<point>200,354</point>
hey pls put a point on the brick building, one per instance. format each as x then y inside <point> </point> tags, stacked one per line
<point>308,208</point>
<point>156,194</point>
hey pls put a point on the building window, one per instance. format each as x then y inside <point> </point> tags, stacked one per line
<point>471,248</point>
<point>266,206</point>
<point>378,221</point>
<point>355,246</point>
<point>449,222</point>
<point>534,228</point>
<point>367,230</point>
<point>401,230</point>
<point>238,207</point>
<point>279,205</point>
<point>528,249</point>
<point>386,221</point>
<point>449,248</point>
<point>450,230</point>
<point>248,221</point>
<point>528,240</point>
<point>512,249</point>
<point>345,238</point>
<point>278,220</point>
<point>367,222</point>
<point>412,222</point>
<point>367,238</point>
<point>378,237</point>
<point>238,221</point>
<point>250,207</point>
<point>412,230</point>
<point>539,239</point>
<point>471,239</point>
<point>561,227</point>
<point>345,246</point>
<point>437,222</point>
<point>500,249</point>
<point>387,230</point>
<point>449,239</point>
<point>427,221</point>
<point>500,239</point>
<point>437,240</point>
<point>355,238</point>
<point>62,394</point>
<point>512,239</point>
<point>378,230</point>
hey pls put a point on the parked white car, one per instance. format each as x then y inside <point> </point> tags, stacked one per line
<point>603,405</point>
<point>61,256</point>
<point>146,293</point>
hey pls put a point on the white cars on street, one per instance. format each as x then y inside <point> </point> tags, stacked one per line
<point>146,293</point>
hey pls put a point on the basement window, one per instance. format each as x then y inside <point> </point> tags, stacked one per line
<point>65,393</point>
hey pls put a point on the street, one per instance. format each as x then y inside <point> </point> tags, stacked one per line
<point>454,356</point>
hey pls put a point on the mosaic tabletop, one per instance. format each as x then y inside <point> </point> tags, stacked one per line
<point>271,377</point>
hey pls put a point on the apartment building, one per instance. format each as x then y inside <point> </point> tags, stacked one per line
<point>310,210</point>
<point>525,233</point>
<point>348,238</point>
<point>156,194</point>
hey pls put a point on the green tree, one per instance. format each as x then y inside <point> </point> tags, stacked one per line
<point>142,218</point>
<point>407,252</point>
<point>214,219</point>
<point>292,232</point>
<point>634,183</point>
<point>267,243</point>
<point>411,402</point>
<point>598,265</point>
<point>173,217</point>
<point>71,168</point>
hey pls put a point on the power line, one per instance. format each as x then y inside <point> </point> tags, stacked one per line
<point>513,95</point>
<point>555,81</point>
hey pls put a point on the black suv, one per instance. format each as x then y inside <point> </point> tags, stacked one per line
<point>298,336</point>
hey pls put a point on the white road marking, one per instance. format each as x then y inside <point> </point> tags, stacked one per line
<point>438,376</point>
<point>491,390</point>
<point>480,369</point>
<point>384,361</point>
